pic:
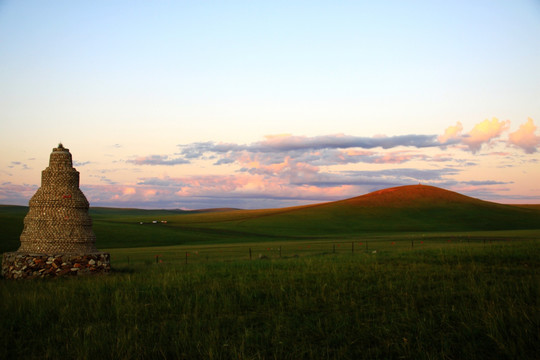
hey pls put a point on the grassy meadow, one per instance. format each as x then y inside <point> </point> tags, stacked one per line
<point>421,274</point>
<point>443,301</point>
<point>405,211</point>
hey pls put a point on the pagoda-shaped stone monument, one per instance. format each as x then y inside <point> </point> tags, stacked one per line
<point>57,238</point>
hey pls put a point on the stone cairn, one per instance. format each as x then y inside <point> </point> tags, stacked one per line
<point>57,238</point>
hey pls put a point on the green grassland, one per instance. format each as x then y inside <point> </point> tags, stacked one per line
<point>403,211</point>
<point>443,301</point>
<point>406,273</point>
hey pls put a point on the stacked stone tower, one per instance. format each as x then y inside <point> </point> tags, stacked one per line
<point>57,238</point>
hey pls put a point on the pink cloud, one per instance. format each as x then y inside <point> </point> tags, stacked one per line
<point>484,132</point>
<point>499,153</point>
<point>209,184</point>
<point>266,182</point>
<point>16,194</point>
<point>397,157</point>
<point>119,194</point>
<point>287,171</point>
<point>525,137</point>
<point>128,191</point>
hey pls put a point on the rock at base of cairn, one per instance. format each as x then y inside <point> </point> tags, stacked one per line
<point>16,265</point>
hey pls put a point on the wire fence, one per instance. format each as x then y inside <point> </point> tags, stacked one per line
<point>191,254</point>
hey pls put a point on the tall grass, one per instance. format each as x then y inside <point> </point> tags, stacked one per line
<point>454,302</point>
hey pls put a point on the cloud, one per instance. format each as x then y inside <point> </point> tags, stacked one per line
<point>486,182</point>
<point>77,163</point>
<point>498,153</point>
<point>319,151</point>
<point>484,132</point>
<point>16,194</point>
<point>15,164</point>
<point>129,196</point>
<point>398,157</point>
<point>104,179</point>
<point>158,160</point>
<point>286,170</point>
<point>162,198</point>
<point>201,185</point>
<point>452,134</point>
<point>289,181</point>
<point>525,137</point>
<point>407,175</point>
<point>328,150</point>
<point>224,161</point>
<point>260,185</point>
<point>328,157</point>
<point>340,141</point>
<point>288,143</point>
<point>128,191</point>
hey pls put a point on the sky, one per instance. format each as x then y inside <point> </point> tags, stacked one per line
<point>262,104</point>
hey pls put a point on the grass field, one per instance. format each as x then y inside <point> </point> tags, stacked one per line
<point>443,301</point>
<point>409,210</point>
<point>420,274</point>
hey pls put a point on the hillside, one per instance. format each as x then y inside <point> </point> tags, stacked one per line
<point>405,209</point>
<point>414,208</point>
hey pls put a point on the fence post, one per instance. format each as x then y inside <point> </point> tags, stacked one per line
<point>249,253</point>
<point>352,247</point>
<point>186,256</point>
<point>412,243</point>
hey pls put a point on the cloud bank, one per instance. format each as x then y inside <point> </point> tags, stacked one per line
<point>283,170</point>
<point>340,148</point>
<point>287,170</point>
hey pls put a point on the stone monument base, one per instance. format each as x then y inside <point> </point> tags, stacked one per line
<point>17,265</point>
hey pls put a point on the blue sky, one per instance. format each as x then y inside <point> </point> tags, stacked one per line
<point>149,95</point>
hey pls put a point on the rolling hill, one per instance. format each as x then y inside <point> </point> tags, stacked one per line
<point>413,208</point>
<point>404,209</point>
